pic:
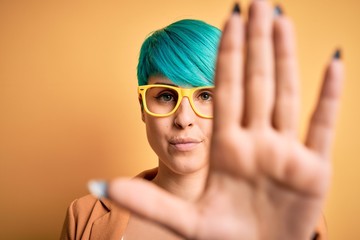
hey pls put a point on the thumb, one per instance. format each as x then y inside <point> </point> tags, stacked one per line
<point>155,204</point>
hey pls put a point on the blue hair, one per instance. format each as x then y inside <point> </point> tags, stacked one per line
<point>184,52</point>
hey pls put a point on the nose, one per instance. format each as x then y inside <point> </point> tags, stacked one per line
<point>184,115</point>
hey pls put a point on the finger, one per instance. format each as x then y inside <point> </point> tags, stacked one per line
<point>286,109</point>
<point>228,105</point>
<point>321,129</point>
<point>152,203</point>
<point>260,65</point>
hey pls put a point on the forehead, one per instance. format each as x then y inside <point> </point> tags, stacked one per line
<point>163,80</point>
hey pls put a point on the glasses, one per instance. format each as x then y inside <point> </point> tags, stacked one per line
<point>163,100</point>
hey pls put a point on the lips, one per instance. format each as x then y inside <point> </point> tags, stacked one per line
<point>184,144</point>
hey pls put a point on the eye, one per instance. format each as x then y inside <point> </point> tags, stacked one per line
<point>205,96</point>
<point>166,97</point>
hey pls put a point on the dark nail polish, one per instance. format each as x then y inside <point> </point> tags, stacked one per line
<point>337,54</point>
<point>315,236</point>
<point>278,10</point>
<point>236,9</point>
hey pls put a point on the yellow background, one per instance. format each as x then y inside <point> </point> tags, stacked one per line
<point>69,110</point>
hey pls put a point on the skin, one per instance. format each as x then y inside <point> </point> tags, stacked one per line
<point>263,182</point>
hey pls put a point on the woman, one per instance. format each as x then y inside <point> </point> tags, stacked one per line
<point>184,52</point>
<point>230,164</point>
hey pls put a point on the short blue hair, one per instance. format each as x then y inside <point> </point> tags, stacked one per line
<point>184,52</point>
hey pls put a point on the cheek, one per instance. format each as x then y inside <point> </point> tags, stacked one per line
<point>156,129</point>
<point>156,126</point>
<point>207,128</point>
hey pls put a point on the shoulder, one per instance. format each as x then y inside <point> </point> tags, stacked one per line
<point>88,205</point>
<point>81,215</point>
<point>91,218</point>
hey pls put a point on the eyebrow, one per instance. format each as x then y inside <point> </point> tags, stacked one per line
<point>170,84</point>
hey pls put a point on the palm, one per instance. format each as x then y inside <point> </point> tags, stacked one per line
<point>273,175</point>
<point>267,155</point>
<point>263,182</point>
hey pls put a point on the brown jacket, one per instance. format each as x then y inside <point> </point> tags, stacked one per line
<point>91,218</point>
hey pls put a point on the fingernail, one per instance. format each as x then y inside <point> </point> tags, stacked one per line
<point>278,11</point>
<point>315,236</point>
<point>337,54</point>
<point>236,9</point>
<point>98,188</point>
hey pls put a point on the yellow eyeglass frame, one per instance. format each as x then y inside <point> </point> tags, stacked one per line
<point>182,92</point>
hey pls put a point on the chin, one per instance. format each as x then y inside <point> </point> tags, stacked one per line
<point>187,165</point>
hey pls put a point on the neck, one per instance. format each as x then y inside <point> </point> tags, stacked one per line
<point>187,186</point>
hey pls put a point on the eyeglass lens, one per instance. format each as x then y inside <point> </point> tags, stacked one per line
<point>163,100</point>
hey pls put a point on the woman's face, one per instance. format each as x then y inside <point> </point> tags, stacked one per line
<point>181,140</point>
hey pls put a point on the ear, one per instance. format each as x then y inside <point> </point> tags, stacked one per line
<point>142,109</point>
